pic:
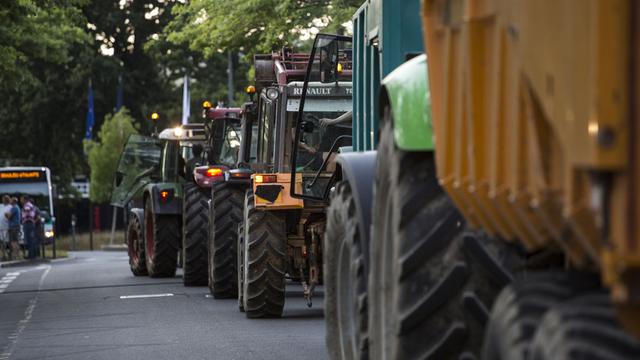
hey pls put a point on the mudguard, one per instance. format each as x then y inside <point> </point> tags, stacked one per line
<point>172,206</point>
<point>406,91</point>
<point>359,169</point>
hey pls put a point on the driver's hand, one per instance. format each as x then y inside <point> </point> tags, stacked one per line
<point>310,149</point>
<point>324,122</point>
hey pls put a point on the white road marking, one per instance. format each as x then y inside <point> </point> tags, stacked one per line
<point>145,296</point>
<point>28,313</point>
<point>6,280</point>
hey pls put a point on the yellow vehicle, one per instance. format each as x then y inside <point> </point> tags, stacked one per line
<point>535,115</point>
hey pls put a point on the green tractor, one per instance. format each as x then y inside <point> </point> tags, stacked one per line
<point>149,185</point>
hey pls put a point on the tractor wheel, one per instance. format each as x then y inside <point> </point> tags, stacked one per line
<point>226,213</point>
<point>135,246</point>
<point>518,309</point>
<point>430,283</point>
<point>345,279</point>
<point>265,247</point>
<point>240,262</point>
<point>194,235</point>
<point>583,328</point>
<point>162,238</point>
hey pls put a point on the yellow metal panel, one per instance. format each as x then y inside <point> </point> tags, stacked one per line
<point>530,103</point>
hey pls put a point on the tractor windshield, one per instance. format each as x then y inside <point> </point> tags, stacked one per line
<point>139,161</point>
<point>230,143</point>
<point>225,138</point>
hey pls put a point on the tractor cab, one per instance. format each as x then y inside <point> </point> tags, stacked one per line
<point>292,155</point>
<point>147,160</point>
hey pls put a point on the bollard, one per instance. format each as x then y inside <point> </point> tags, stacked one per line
<point>73,232</point>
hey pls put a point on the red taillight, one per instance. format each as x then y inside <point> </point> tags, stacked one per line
<point>242,175</point>
<point>165,195</point>
<point>266,178</point>
<point>214,172</point>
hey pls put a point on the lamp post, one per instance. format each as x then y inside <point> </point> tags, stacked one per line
<point>155,117</point>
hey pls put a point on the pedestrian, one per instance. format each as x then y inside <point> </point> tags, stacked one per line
<point>5,207</point>
<point>14,217</point>
<point>29,226</point>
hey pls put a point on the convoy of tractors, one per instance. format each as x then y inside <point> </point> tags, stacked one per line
<point>477,201</point>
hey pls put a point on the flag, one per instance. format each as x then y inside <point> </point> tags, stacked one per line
<point>90,115</point>
<point>186,101</point>
<point>119,95</point>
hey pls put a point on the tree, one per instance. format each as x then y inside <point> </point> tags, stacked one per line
<point>103,155</point>
<point>42,46</point>
<point>213,26</point>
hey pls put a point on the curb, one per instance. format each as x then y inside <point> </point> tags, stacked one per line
<point>17,263</point>
<point>114,247</point>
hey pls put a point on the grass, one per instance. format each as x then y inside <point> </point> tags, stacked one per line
<point>83,242</point>
<point>48,253</point>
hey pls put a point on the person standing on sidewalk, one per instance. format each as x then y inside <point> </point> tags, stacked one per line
<point>5,207</point>
<point>29,226</point>
<point>14,217</point>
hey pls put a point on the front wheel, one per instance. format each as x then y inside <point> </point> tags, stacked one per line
<point>345,274</point>
<point>264,264</point>
<point>431,283</point>
<point>135,246</point>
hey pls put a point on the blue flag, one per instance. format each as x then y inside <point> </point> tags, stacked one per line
<point>90,115</point>
<point>119,95</point>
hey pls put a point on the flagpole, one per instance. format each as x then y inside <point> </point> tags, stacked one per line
<point>186,100</point>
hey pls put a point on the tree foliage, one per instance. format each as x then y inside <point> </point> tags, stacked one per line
<point>103,154</point>
<point>42,49</point>
<point>251,26</point>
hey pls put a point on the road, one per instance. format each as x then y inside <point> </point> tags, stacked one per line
<point>87,308</point>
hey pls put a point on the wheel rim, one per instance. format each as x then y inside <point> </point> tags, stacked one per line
<point>149,236</point>
<point>346,301</point>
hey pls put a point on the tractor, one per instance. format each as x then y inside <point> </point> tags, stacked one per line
<point>281,237</point>
<point>149,185</point>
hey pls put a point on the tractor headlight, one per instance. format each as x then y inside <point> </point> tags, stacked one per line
<point>272,93</point>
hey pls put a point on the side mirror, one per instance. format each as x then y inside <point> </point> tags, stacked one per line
<point>329,62</point>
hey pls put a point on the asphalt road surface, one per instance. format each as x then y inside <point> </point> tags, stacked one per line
<point>92,307</point>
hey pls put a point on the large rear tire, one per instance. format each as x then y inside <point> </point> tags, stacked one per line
<point>430,283</point>
<point>226,213</point>
<point>162,239</point>
<point>345,279</point>
<point>583,328</point>
<point>520,306</point>
<point>195,219</point>
<point>135,246</point>
<point>264,263</point>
